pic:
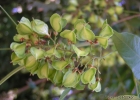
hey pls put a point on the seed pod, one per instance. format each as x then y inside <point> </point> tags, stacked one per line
<point>93,18</point>
<point>15,59</point>
<point>51,73</point>
<point>34,39</point>
<point>58,77</point>
<point>30,61</point>
<point>70,79</point>
<point>68,34</point>
<point>119,10</point>
<point>40,27</point>
<point>95,87</point>
<point>59,65</point>
<point>24,27</point>
<point>33,69</point>
<point>18,48</point>
<point>103,41</point>
<point>80,52</point>
<point>43,71</point>
<point>107,31</point>
<point>86,34</point>
<point>88,75</point>
<point>37,53</point>
<point>19,37</point>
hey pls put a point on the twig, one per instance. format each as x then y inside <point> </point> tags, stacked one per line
<point>20,90</point>
<point>125,19</point>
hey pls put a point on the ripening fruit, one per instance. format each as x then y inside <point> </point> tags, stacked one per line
<point>88,75</point>
<point>70,79</point>
<point>58,77</point>
<point>40,27</point>
<point>24,27</point>
<point>95,87</point>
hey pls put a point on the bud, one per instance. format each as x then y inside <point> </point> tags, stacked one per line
<point>40,27</point>
<point>24,27</point>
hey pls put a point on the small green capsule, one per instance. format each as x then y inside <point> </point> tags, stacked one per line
<point>88,75</point>
<point>24,27</point>
<point>59,65</point>
<point>58,77</point>
<point>40,27</point>
<point>95,87</point>
<point>20,38</point>
<point>70,79</point>
<point>30,61</point>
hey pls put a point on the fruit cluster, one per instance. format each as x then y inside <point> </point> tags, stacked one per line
<point>63,63</point>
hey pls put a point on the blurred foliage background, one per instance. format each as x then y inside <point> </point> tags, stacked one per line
<point>117,78</point>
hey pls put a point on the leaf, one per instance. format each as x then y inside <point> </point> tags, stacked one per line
<point>128,46</point>
<point>55,22</point>
<point>65,92</point>
<point>68,34</point>
<point>125,97</point>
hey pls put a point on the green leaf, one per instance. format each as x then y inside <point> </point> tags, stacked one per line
<point>55,22</point>
<point>68,34</point>
<point>37,53</point>
<point>103,41</point>
<point>80,52</point>
<point>64,94</point>
<point>59,65</point>
<point>128,46</point>
<point>125,97</point>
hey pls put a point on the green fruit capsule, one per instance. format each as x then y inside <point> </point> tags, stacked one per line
<point>107,31</point>
<point>51,73</point>
<point>19,37</point>
<point>33,69</point>
<point>59,65</point>
<point>34,39</point>
<point>88,76</point>
<point>80,52</point>
<point>43,71</point>
<point>40,27</point>
<point>18,48</point>
<point>86,34</point>
<point>68,34</point>
<point>95,87</point>
<point>24,27</point>
<point>70,79</point>
<point>58,77</point>
<point>37,53</point>
<point>55,22</point>
<point>103,41</point>
<point>30,61</point>
<point>15,59</point>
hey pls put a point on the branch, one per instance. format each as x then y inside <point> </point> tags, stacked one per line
<point>125,19</point>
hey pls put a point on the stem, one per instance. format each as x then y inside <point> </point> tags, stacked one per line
<point>10,74</point>
<point>5,49</point>
<point>52,40</point>
<point>8,15</point>
<point>137,83</point>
